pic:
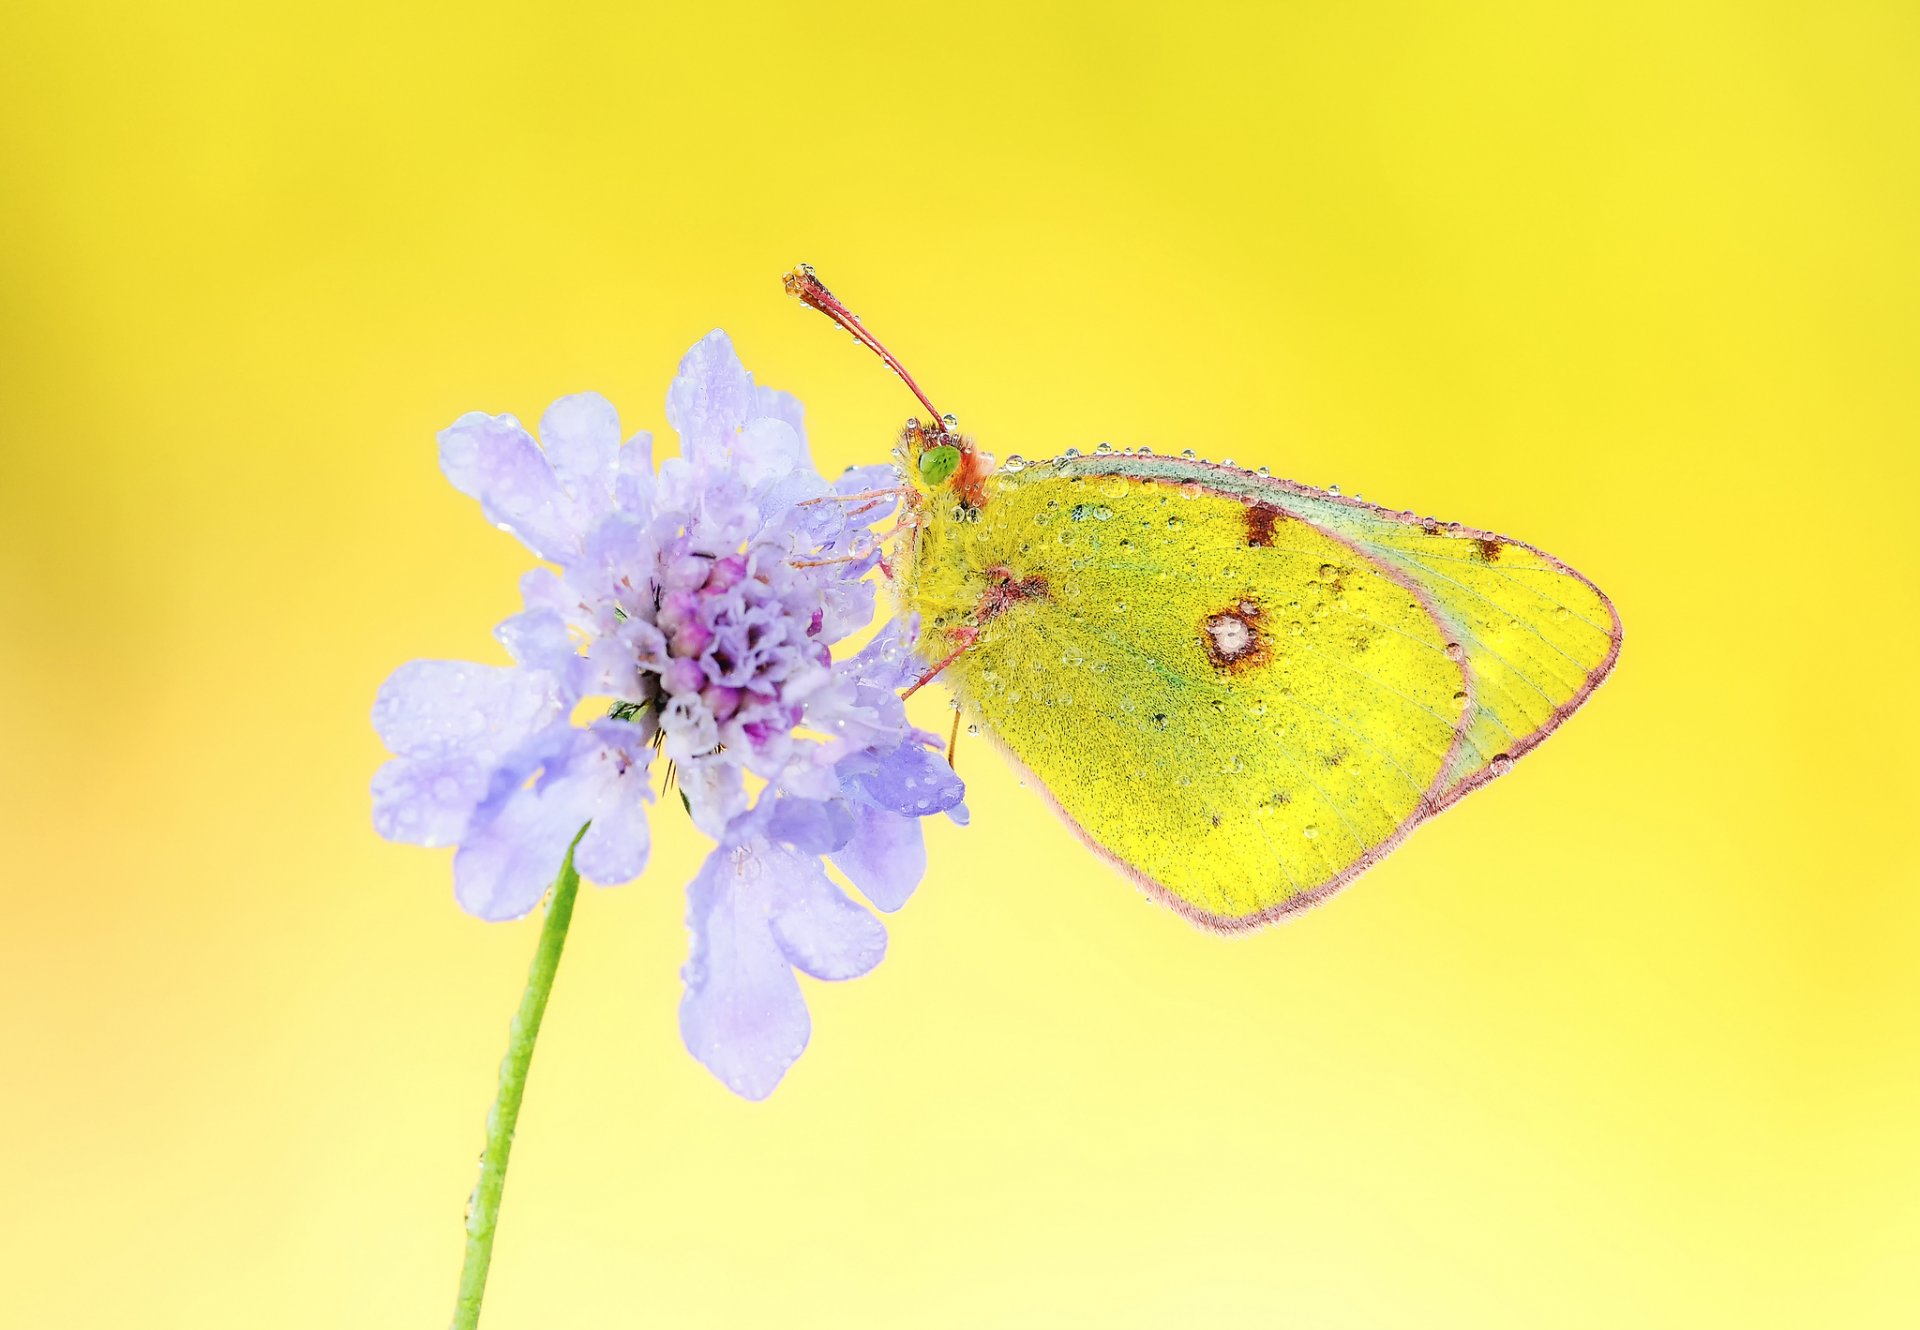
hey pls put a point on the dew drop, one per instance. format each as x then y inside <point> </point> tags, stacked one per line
<point>1334,490</point>
<point>1310,831</point>
<point>1500,765</point>
<point>1070,453</point>
<point>1104,449</point>
<point>1188,454</point>
<point>1455,651</point>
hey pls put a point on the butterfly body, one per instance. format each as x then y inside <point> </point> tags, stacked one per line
<point>1240,691</point>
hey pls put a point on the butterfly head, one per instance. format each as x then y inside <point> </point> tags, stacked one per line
<point>941,462</point>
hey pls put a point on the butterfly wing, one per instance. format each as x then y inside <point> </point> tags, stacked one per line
<point>1244,692</point>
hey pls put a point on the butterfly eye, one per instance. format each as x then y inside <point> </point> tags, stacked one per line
<point>936,464</point>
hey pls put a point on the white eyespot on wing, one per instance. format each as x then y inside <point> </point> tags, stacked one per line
<point>1232,638</point>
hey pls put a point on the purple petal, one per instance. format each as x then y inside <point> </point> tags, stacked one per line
<point>494,460</point>
<point>427,801</point>
<point>811,826</point>
<point>784,407</point>
<point>860,479</point>
<point>710,399</point>
<point>606,778</point>
<point>771,450</point>
<point>444,708</point>
<point>912,781</point>
<point>542,589</point>
<point>508,860</point>
<point>742,1014</point>
<point>886,858</point>
<point>539,640</point>
<point>633,481</point>
<point>581,437</point>
<point>817,927</point>
<point>888,661</point>
<point>716,795</point>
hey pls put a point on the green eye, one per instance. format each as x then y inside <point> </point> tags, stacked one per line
<point>936,464</point>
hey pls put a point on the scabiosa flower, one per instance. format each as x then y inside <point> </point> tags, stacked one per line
<point>702,607</point>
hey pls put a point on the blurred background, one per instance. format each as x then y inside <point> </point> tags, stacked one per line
<point>1627,1039</point>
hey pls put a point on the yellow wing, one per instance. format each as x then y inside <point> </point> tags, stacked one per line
<point>1240,691</point>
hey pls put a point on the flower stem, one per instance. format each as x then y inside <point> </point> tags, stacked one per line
<point>483,1210</point>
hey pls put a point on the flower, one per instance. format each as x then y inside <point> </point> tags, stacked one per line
<point>704,603</point>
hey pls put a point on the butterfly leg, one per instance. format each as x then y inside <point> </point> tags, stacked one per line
<point>966,637</point>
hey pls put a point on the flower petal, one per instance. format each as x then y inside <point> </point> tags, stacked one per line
<point>494,460</point>
<point>507,860</point>
<point>888,661</point>
<point>785,407</point>
<point>817,927</point>
<point>742,1014</point>
<point>812,826</point>
<point>912,781</point>
<point>581,437</point>
<point>539,640</point>
<point>427,801</point>
<point>715,793</point>
<point>445,708</point>
<point>771,451</point>
<point>633,483</point>
<point>886,857</point>
<point>710,399</point>
<point>606,778</point>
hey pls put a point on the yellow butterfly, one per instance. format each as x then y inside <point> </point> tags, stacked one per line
<point>1240,691</point>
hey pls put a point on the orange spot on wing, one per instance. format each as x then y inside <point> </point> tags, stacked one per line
<point>1261,519</point>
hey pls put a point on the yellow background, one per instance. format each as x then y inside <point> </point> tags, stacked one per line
<point>1627,1040</point>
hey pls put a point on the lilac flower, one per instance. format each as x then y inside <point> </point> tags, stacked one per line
<point>702,604</point>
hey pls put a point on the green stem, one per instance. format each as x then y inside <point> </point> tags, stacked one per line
<point>483,1210</point>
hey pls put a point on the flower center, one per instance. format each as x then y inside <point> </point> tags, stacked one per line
<point>733,644</point>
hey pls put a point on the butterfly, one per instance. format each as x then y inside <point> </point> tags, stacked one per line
<point>1239,691</point>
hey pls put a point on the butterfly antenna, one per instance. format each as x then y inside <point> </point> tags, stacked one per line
<point>809,290</point>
